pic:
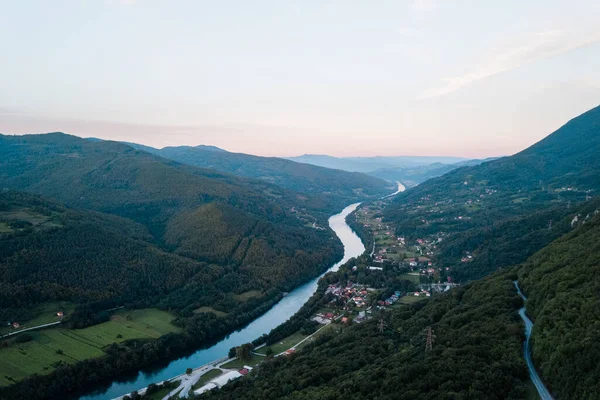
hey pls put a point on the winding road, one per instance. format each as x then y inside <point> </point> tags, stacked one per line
<point>535,378</point>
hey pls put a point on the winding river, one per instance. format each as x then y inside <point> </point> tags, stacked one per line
<point>535,378</point>
<point>277,315</point>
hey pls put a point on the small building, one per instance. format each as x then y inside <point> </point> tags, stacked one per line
<point>244,371</point>
<point>344,320</point>
<point>16,325</point>
<point>60,314</point>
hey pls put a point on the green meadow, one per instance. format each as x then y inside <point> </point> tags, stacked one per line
<point>52,347</point>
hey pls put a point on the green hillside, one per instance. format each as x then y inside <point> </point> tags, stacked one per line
<point>513,201</point>
<point>335,186</point>
<point>55,253</point>
<point>562,282</point>
<point>221,216</point>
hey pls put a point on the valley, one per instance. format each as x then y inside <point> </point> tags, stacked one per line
<point>303,200</point>
<point>423,294</point>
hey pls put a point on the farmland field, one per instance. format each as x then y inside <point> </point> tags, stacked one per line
<point>284,344</point>
<point>413,278</point>
<point>40,315</point>
<point>50,347</point>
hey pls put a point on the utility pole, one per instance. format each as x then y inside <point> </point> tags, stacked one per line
<point>430,338</point>
<point>550,225</point>
<point>382,325</point>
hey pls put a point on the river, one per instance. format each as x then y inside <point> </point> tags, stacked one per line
<point>535,378</point>
<point>277,315</point>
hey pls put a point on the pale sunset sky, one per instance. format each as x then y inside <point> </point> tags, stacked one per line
<point>280,78</point>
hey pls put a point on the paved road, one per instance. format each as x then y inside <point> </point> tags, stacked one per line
<point>535,378</point>
<point>30,329</point>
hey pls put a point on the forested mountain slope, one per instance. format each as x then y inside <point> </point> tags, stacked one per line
<point>49,252</point>
<point>528,192</point>
<point>339,187</point>
<point>562,282</point>
<point>246,227</point>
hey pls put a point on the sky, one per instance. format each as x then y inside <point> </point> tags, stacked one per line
<point>286,77</point>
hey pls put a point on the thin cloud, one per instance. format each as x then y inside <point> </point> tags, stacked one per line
<point>532,48</point>
<point>423,5</point>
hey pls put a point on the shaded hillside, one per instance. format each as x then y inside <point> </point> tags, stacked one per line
<point>246,227</point>
<point>49,252</point>
<point>335,186</point>
<point>562,283</point>
<point>529,191</point>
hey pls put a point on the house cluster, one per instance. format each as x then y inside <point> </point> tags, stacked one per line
<point>467,257</point>
<point>324,318</point>
<point>390,300</point>
<point>422,293</point>
<point>351,293</point>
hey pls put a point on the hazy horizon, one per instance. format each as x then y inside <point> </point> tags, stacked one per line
<point>272,78</point>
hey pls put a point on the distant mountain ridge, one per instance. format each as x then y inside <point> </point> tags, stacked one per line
<point>501,210</point>
<point>368,164</point>
<point>337,187</point>
<point>410,170</point>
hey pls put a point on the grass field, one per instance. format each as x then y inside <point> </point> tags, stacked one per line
<point>58,345</point>
<point>328,328</point>
<point>162,392</point>
<point>410,277</point>
<point>248,295</point>
<point>4,228</point>
<point>42,314</point>
<point>411,299</point>
<point>212,374</point>
<point>284,344</point>
<point>210,309</point>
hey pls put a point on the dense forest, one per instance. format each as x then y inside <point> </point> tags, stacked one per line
<point>53,259</point>
<point>504,210</point>
<point>562,282</point>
